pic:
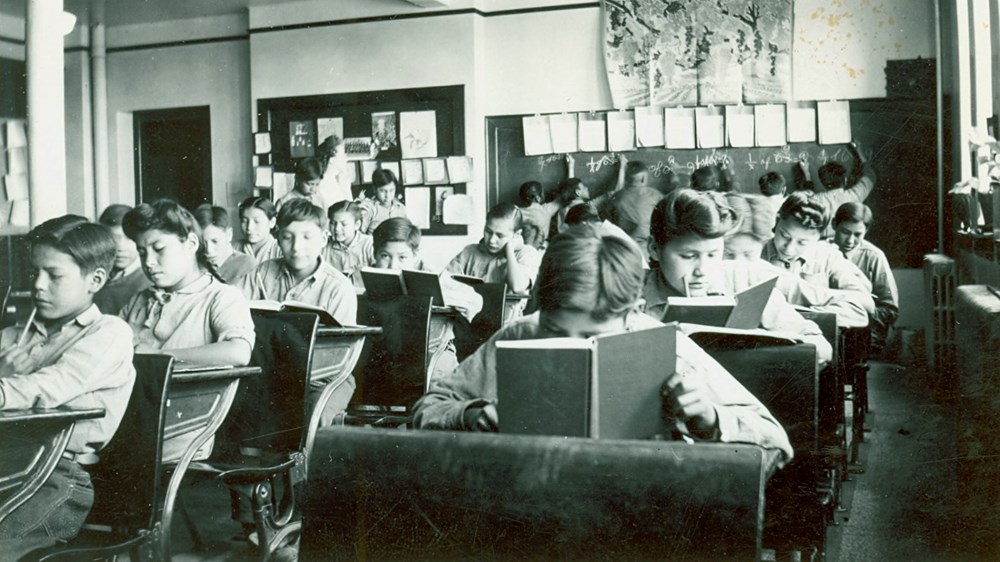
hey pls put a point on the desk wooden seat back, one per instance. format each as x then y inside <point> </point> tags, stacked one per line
<point>128,493</point>
<point>393,370</point>
<point>32,442</point>
<point>784,378</point>
<point>390,495</point>
<point>831,390</point>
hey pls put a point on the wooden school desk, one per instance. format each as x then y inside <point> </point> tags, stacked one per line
<point>33,442</point>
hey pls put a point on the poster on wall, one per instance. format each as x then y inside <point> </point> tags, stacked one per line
<point>301,139</point>
<point>678,53</point>
<point>384,130</point>
<point>418,134</point>
<point>329,126</point>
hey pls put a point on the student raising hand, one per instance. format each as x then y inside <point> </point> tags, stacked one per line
<point>687,398</point>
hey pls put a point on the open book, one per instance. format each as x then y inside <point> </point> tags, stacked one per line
<point>325,318</point>
<point>389,283</point>
<point>742,312</point>
<point>606,386</point>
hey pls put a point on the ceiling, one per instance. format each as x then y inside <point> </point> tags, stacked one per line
<point>128,12</point>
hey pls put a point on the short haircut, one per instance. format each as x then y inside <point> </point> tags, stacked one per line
<point>802,208</point>
<point>209,215</point>
<point>308,169</point>
<point>300,210</point>
<point>567,189</point>
<point>352,207</point>
<point>772,183</point>
<point>506,211</point>
<point>261,203</point>
<point>167,215</point>
<point>382,177</point>
<point>530,191</point>
<point>113,215</point>
<point>396,229</point>
<point>582,212</point>
<point>90,245</point>
<point>705,178</point>
<point>686,211</point>
<point>586,270</point>
<point>832,175</point>
<point>853,212</point>
<point>633,169</point>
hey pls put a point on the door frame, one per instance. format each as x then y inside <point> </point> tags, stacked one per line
<point>173,113</point>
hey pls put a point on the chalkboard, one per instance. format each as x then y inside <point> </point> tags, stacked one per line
<point>356,109</point>
<point>898,136</point>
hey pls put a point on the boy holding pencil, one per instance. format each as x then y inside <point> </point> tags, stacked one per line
<point>68,354</point>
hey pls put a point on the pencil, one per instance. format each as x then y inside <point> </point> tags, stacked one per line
<point>27,327</point>
<point>687,291</point>
<point>263,291</point>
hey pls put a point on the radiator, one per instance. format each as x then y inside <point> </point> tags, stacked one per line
<point>939,288</point>
<point>978,401</point>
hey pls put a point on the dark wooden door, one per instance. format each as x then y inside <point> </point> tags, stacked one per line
<point>173,155</point>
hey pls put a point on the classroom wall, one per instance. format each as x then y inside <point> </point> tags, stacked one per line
<point>215,74</point>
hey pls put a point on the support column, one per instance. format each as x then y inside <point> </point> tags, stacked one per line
<point>46,110</point>
<point>99,106</point>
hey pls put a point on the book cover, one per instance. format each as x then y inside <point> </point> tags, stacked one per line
<point>602,387</point>
<point>325,318</point>
<point>383,283</point>
<point>708,311</point>
<point>750,305</point>
<point>423,284</point>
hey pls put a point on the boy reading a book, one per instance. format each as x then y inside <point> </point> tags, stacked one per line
<point>688,232</point>
<point>69,354</point>
<point>301,274</point>
<point>797,249</point>
<point>590,283</point>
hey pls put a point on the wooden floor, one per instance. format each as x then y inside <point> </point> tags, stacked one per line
<point>901,500</point>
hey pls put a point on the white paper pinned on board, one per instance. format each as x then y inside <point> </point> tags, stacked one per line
<point>649,126</point>
<point>262,143</point>
<point>834,122</point>
<point>769,124</point>
<point>16,136</point>
<point>413,172</point>
<point>801,122</point>
<point>593,132</point>
<point>739,125</point>
<point>392,166</point>
<point>537,138</point>
<point>435,171</point>
<point>678,127</point>
<point>19,215</point>
<point>459,169</point>
<point>457,209</point>
<point>262,177</point>
<point>563,128</point>
<point>711,127</point>
<point>16,186</point>
<point>621,131</point>
<point>17,160</point>
<point>418,134</point>
<point>418,206</point>
<point>328,126</point>
<point>368,168</point>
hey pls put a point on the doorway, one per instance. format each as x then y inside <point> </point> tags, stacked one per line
<point>173,155</point>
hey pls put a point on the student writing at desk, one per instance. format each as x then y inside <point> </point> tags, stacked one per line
<point>188,313</point>
<point>590,283</point>
<point>69,354</point>
<point>688,230</point>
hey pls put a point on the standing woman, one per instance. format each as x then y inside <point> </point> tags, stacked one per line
<point>336,183</point>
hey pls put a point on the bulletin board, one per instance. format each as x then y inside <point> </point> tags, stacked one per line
<point>364,115</point>
<point>897,136</point>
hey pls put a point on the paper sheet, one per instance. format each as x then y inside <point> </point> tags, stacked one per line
<point>678,125</point>
<point>16,137</point>
<point>418,206</point>
<point>262,177</point>
<point>413,172</point>
<point>769,124</point>
<point>19,215</point>
<point>563,128</point>
<point>300,139</point>
<point>711,127</point>
<point>592,132</point>
<point>649,126</point>
<point>17,160</point>
<point>358,148</point>
<point>392,166</point>
<point>351,169</point>
<point>459,169</point>
<point>368,168</point>
<point>801,122</point>
<point>384,129</point>
<point>434,171</point>
<point>327,126</point>
<point>16,186</point>
<point>834,122</point>
<point>418,134</point>
<point>537,138</point>
<point>457,209</point>
<point>621,131</point>
<point>739,125</point>
<point>262,143</point>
